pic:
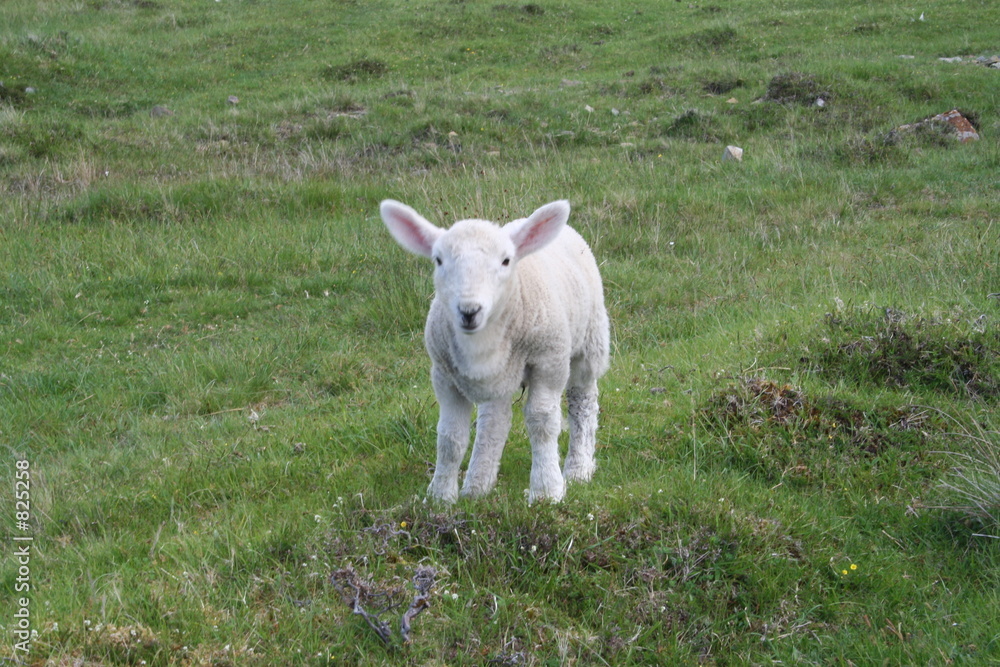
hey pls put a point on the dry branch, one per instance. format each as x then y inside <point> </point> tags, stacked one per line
<point>423,580</point>
<point>357,591</point>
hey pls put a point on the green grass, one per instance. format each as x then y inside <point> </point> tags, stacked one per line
<point>211,350</point>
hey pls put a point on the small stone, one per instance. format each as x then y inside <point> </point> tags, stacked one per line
<point>953,59</point>
<point>820,102</point>
<point>160,111</point>
<point>30,91</point>
<point>732,153</point>
<point>588,108</point>
<point>907,57</point>
<point>233,99</point>
<point>732,100</point>
<point>615,112</point>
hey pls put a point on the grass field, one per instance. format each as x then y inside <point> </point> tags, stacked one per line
<point>211,351</point>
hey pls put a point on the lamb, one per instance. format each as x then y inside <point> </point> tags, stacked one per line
<point>516,307</point>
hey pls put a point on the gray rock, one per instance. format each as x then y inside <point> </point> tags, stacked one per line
<point>732,153</point>
<point>160,111</point>
<point>233,100</point>
<point>964,130</point>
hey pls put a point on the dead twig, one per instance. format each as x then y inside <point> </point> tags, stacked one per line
<point>353,589</point>
<point>423,581</point>
<point>380,627</point>
<point>356,590</point>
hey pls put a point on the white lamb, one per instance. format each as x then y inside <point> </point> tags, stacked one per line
<point>518,306</point>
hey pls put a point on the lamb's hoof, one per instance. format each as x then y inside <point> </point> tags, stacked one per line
<point>475,491</point>
<point>578,471</point>
<point>551,495</point>
<point>446,496</point>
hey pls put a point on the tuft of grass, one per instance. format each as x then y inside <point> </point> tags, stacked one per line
<point>778,432</point>
<point>972,487</point>
<point>894,349</point>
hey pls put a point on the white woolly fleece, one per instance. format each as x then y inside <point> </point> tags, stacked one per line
<point>519,305</point>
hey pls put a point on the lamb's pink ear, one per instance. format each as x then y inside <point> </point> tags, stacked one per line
<point>409,228</point>
<point>538,229</point>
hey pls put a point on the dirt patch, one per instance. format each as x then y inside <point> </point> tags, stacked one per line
<point>756,401</point>
<point>531,9</point>
<point>15,97</point>
<point>691,124</point>
<point>363,69</point>
<point>712,39</point>
<point>723,85</point>
<point>102,5</point>
<point>796,88</point>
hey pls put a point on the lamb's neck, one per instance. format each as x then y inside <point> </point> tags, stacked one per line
<point>484,353</point>
<point>487,353</point>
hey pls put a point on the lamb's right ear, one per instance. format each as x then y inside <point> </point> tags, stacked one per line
<point>409,228</point>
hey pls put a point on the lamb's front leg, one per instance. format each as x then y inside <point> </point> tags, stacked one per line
<point>492,427</point>
<point>452,438</point>
<point>543,417</point>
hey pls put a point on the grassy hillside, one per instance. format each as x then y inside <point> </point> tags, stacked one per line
<point>211,352</point>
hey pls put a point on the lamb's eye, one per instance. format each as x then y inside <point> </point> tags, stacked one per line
<point>506,261</point>
<point>438,260</point>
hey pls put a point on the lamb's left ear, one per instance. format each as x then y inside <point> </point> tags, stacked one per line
<point>538,229</point>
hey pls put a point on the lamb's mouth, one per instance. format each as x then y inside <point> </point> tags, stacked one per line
<point>469,328</point>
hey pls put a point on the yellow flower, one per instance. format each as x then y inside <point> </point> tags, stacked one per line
<point>403,525</point>
<point>853,566</point>
<point>843,572</point>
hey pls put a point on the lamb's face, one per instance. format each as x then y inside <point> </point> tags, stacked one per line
<point>474,261</point>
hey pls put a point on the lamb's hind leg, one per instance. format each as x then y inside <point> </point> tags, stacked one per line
<point>581,399</point>
<point>543,418</point>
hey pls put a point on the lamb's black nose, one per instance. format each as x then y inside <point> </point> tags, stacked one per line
<point>469,316</point>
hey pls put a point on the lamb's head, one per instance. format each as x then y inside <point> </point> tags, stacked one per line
<point>474,259</point>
